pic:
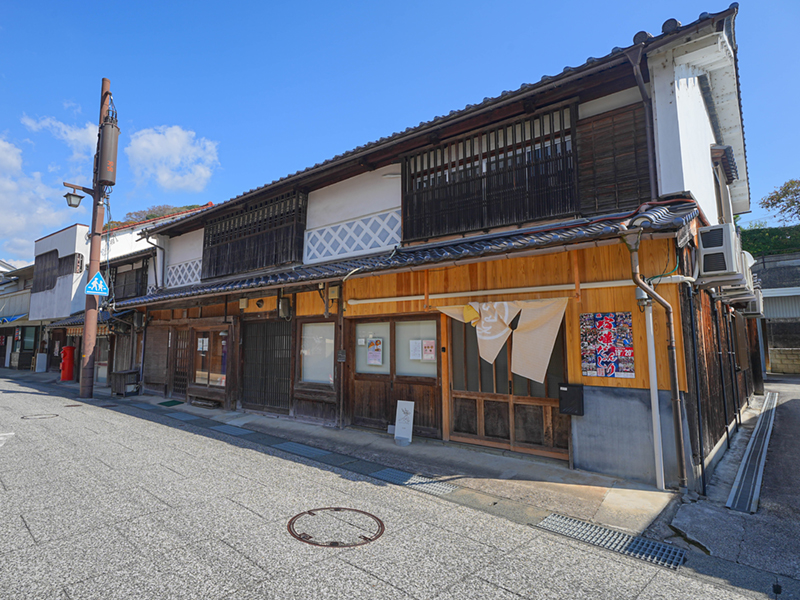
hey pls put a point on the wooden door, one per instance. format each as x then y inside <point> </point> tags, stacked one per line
<point>156,355</point>
<point>491,406</point>
<point>181,361</point>
<point>267,365</point>
<point>377,380</point>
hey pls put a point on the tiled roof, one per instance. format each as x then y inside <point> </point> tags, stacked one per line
<point>130,256</point>
<point>671,29</point>
<point>669,215</point>
<point>173,217</point>
<point>103,316</point>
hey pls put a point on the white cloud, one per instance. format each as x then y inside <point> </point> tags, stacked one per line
<point>29,208</point>
<point>10,158</point>
<point>81,140</point>
<point>17,264</point>
<point>173,157</point>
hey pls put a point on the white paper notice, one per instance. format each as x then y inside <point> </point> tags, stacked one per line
<point>404,422</point>
<point>415,350</point>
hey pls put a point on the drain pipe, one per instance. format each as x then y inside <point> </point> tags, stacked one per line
<point>164,256</point>
<point>732,362</point>
<point>715,313</point>
<point>632,239</point>
<point>658,448</point>
<point>701,446</point>
<point>634,55</point>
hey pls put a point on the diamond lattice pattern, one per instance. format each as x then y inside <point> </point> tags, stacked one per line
<point>376,232</point>
<point>184,273</point>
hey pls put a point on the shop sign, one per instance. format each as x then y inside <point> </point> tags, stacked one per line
<point>607,345</point>
<point>18,333</point>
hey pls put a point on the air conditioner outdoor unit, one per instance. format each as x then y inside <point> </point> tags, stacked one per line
<point>755,308</point>
<point>720,253</point>
<point>721,262</point>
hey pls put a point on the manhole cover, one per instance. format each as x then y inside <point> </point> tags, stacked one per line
<point>336,527</point>
<point>39,416</point>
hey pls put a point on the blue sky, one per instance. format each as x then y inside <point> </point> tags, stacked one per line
<point>215,99</point>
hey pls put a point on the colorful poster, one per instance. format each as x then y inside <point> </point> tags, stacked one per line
<point>375,352</point>
<point>429,350</point>
<point>607,345</point>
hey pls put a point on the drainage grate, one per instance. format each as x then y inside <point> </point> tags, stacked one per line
<point>181,416</point>
<point>417,482</point>
<point>143,406</point>
<point>28,417</point>
<point>747,485</point>
<point>230,430</point>
<point>657,553</point>
<point>301,449</point>
<point>336,527</point>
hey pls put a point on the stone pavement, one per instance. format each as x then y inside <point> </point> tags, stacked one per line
<point>767,542</point>
<point>122,501</point>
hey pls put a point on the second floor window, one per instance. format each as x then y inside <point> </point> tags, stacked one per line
<point>517,172</point>
<point>265,232</point>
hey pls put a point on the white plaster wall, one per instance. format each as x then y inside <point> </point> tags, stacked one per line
<point>69,241</point>
<point>696,137</point>
<point>610,102</point>
<point>182,248</point>
<point>355,197</point>
<point>669,165</point>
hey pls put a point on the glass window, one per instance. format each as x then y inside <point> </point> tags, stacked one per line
<point>316,353</point>
<point>416,348</point>
<point>210,358</point>
<point>29,337</point>
<point>373,348</point>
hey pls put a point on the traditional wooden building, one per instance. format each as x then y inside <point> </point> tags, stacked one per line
<point>484,265</point>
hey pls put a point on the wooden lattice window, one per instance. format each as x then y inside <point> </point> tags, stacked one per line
<point>517,172</point>
<point>262,233</point>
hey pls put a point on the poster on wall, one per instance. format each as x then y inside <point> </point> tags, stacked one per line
<point>375,352</point>
<point>429,350</point>
<point>415,350</point>
<point>607,345</point>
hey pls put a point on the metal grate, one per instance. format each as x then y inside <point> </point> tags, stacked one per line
<point>182,416</point>
<point>417,482</point>
<point>747,485</point>
<point>301,449</point>
<point>231,430</point>
<point>651,551</point>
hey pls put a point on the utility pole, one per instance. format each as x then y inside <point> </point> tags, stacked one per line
<point>105,170</point>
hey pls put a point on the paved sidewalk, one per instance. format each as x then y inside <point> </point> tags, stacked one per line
<point>109,500</point>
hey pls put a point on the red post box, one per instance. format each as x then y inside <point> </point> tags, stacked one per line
<point>67,362</point>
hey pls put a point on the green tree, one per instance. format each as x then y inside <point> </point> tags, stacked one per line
<point>785,200</point>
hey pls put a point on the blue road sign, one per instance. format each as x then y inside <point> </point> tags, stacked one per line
<point>97,286</point>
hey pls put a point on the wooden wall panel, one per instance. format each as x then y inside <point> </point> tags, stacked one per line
<point>310,304</point>
<point>270,303</point>
<point>606,263</point>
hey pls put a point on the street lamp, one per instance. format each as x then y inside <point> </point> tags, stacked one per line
<point>73,199</point>
<point>105,172</point>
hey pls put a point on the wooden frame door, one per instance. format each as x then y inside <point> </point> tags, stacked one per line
<point>491,406</point>
<point>372,397</point>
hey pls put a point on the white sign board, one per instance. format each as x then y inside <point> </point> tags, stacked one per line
<point>404,422</point>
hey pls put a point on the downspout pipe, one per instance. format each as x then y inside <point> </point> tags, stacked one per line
<point>163,251</point>
<point>634,55</point>
<point>715,313</point>
<point>701,445</point>
<point>632,239</point>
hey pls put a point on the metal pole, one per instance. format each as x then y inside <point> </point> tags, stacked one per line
<point>701,445</point>
<point>715,312</point>
<point>92,302</point>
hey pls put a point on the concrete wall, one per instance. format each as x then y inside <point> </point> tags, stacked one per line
<point>355,197</point>
<point>67,297</point>
<point>784,360</point>
<point>615,435</point>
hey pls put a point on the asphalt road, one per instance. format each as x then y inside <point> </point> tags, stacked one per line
<point>119,502</point>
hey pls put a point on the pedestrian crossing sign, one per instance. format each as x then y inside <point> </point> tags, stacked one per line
<point>97,286</point>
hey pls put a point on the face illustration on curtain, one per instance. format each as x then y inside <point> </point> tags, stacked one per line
<point>534,336</point>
